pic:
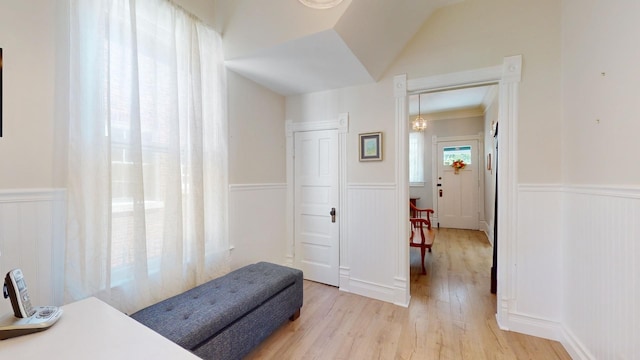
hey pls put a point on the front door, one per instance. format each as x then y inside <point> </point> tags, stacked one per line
<point>316,199</point>
<point>457,189</point>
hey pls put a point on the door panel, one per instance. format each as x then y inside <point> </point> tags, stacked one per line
<point>458,191</point>
<point>316,193</point>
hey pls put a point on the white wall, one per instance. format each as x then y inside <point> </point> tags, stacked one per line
<point>257,224</point>
<point>28,40</point>
<point>257,174</point>
<point>257,147</point>
<point>600,80</point>
<point>31,210</point>
<point>601,255</point>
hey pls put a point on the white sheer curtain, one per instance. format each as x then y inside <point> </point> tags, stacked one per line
<point>147,178</point>
<point>416,158</point>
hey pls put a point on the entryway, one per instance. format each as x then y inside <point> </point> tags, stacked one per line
<point>458,183</point>
<point>507,76</point>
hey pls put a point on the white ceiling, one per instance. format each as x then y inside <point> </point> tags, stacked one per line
<point>292,49</point>
<point>450,100</point>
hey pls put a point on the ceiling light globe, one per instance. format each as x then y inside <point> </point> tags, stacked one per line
<point>321,4</point>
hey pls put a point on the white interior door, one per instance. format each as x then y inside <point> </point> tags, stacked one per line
<point>316,194</point>
<point>457,192</point>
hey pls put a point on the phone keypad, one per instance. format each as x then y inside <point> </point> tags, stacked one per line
<point>26,302</point>
<point>46,312</point>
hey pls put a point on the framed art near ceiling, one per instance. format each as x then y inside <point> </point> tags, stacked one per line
<point>371,146</point>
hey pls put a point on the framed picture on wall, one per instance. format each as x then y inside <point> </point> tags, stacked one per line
<point>371,146</point>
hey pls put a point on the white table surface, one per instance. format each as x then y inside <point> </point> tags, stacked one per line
<point>91,329</point>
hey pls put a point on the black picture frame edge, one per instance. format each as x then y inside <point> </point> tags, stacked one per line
<point>361,139</point>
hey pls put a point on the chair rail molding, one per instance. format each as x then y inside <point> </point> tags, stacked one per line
<point>507,76</point>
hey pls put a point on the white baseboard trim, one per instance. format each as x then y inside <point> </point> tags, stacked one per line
<point>530,325</point>
<point>402,296</point>
<point>344,279</point>
<point>574,347</point>
<point>371,290</point>
<point>488,232</point>
<point>288,261</point>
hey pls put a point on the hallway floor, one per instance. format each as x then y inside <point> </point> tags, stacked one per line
<point>451,315</point>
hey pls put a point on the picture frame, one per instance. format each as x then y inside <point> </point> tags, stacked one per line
<point>370,146</point>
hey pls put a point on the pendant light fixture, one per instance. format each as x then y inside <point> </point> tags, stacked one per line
<point>419,123</point>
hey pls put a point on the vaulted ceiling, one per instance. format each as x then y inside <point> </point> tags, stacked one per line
<point>292,49</point>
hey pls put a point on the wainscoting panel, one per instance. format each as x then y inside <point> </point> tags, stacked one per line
<point>536,308</point>
<point>257,224</point>
<point>601,251</point>
<point>371,232</point>
<point>32,232</point>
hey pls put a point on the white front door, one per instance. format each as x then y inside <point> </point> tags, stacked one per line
<point>316,198</point>
<point>457,192</point>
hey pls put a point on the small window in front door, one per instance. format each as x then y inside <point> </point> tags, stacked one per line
<point>453,153</point>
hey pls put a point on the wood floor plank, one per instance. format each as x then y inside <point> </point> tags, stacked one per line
<point>451,315</point>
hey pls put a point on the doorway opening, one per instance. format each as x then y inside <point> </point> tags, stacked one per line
<point>507,76</point>
<point>448,161</point>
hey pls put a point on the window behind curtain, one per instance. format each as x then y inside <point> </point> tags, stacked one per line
<point>147,153</point>
<point>416,158</point>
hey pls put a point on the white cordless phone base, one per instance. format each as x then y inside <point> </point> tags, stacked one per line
<point>44,317</point>
<point>26,319</point>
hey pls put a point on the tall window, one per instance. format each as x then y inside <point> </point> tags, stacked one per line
<point>147,153</point>
<point>416,158</point>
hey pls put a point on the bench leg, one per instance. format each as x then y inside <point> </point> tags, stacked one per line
<point>295,315</point>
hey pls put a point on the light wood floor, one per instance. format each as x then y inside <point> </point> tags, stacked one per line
<point>451,315</point>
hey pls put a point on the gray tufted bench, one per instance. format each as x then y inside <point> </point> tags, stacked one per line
<point>227,317</point>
